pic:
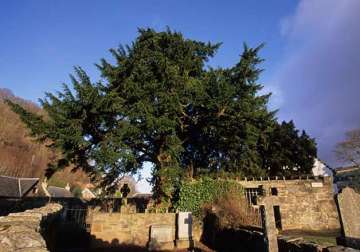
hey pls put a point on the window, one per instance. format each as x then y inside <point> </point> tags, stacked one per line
<point>274,191</point>
<point>252,194</point>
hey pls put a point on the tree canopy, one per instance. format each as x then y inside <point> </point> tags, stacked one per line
<point>348,150</point>
<point>289,153</point>
<point>160,103</point>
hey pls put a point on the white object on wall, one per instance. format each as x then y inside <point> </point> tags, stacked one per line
<point>320,169</point>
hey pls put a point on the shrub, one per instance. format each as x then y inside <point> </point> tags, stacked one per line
<point>232,211</point>
<point>193,195</point>
<point>58,182</point>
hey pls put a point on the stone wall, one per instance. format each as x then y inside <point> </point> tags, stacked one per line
<point>197,229</point>
<point>287,244</point>
<point>349,208</point>
<point>28,231</point>
<point>306,204</point>
<point>10,205</point>
<point>114,229</point>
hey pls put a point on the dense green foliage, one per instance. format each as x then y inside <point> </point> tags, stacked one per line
<point>289,152</point>
<point>194,195</point>
<point>159,103</point>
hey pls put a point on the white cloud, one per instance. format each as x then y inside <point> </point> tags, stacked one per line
<point>320,78</point>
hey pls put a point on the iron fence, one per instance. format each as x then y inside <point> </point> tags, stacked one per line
<point>75,216</point>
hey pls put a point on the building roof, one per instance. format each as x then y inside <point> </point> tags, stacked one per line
<point>58,192</point>
<point>142,195</point>
<point>346,169</point>
<point>14,187</point>
<point>89,191</point>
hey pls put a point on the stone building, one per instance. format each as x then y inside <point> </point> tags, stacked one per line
<point>13,190</point>
<point>55,191</point>
<point>127,185</point>
<point>301,204</point>
<point>17,188</point>
<point>347,177</point>
<point>88,194</point>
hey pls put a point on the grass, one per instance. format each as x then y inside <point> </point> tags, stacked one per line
<point>321,240</point>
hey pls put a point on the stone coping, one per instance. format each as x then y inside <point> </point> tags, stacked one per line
<point>21,231</point>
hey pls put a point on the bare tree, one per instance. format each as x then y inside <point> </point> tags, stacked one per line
<point>349,150</point>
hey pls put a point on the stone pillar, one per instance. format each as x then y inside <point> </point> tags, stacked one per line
<point>270,231</point>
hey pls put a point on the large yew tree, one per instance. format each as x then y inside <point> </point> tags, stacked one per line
<point>160,103</point>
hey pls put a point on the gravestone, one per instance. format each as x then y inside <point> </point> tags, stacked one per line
<point>349,207</point>
<point>161,237</point>
<point>184,230</point>
<point>184,223</point>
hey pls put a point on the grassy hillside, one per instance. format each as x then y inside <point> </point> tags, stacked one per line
<point>20,155</point>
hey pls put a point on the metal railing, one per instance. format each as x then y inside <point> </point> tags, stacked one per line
<point>254,216</point>
<point>75,216</point>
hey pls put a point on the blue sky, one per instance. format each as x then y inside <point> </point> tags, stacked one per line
<point>311,51</point>
<point>42,40</point>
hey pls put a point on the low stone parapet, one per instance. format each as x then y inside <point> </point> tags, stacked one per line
<point>25,231</point>
<point>120,230</point>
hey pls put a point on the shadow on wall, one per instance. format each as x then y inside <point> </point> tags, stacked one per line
<point>230,240</point>
<point>115,245</point>
<point>71,238</point>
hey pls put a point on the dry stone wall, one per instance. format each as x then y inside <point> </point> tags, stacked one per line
<point>305,204</point>
<point>24,231</point>
<point>113,229</point>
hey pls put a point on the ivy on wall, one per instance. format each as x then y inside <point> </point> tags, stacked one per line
<point>194,194</point>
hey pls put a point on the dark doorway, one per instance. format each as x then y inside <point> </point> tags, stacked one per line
<point>277,216</point>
